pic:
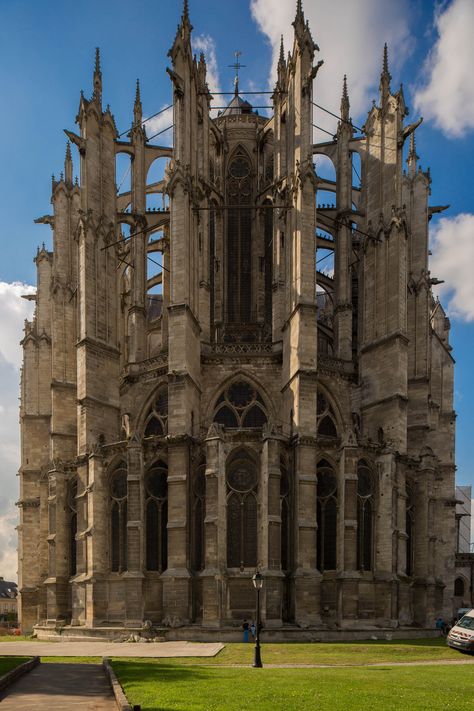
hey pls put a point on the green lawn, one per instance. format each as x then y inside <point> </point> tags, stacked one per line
<point>175,687</point>
<point>9,663</point>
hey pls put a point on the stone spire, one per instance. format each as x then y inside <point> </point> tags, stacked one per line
<point>281,60</point>
<point>186,25</point>
<point>345,105</point>
<point>298,22</point>
<point>68,165</point>
<point>385,76</point>
<point>412,156</point>
<point>97,77</point>
<point>137,107</point>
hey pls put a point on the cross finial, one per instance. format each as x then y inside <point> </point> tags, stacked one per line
<point>236,66</point>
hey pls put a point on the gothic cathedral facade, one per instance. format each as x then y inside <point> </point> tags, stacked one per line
<point>242,407</point>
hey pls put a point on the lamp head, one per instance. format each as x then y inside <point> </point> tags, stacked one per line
<point>257,580</point>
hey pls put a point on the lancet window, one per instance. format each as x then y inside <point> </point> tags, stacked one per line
<point>326,512</point>
<point>239,238</point>
<point>365,516</point>
<point>268,261</point>
<point>156,422</point>
<point>326,419</point>
<point>285,512</point>
<point>242,484</point>
<point>118,518</point>
<point>156,517</point>
<point>410,511</point>
<point>198,516</point>
<point>240,406</point>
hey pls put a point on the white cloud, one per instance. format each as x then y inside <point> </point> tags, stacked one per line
<point>351,36</point>
<point>206,44</point>
<point>159,123</point>
<point>452,245</point>
<point>447,96</point>
<point>14,310</point>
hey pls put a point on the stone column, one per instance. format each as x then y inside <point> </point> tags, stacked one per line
<point>404,606</point>
<point>348,574</point>
<point>423,584</point>
<point>383,533</point>
<point>58,573</point>
<point>134,576</point>
<point>98,562</point>
<point>177,578</point>
<point>213,526</point>
<point>307,577</point>
<point>270,529</point>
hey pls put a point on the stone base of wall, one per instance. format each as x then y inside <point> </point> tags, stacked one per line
<point>192,633</point>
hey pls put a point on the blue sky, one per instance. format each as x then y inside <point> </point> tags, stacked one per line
<point>47,58</point>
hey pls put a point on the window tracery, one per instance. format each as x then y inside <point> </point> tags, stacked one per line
<point>156,422</point>
<point>118,518</point>
<point>242,487</point>
<point>239,238</point>
<point>326,514</point>
<point>326,419</point>
<point>240,407</point>
<point>365,516</point>
<point>156,508</point>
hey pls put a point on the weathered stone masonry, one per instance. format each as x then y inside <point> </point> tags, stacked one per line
<point>241,407</point>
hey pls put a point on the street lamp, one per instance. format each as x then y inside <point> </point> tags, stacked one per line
<point>258,584</point>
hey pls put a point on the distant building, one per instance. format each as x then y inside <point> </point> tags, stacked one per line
<point>464,578</point>
<point>8,599</point>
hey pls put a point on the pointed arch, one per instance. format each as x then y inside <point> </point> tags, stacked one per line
<point>365,515</point>
<point>156,516</point>
<point>240,406</point>
<point>118,492</point>
<point>155,415</point>
<point>326,515</point>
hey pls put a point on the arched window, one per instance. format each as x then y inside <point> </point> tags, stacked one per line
<point>156,514</point>
<point>409,528</point>
<point>72,507</point>
<point>240,406</point>
<point>242,512</point>
<point>198,516</point>
<point>459,587</point>
<point>239,238</point>
<point>118,518</point>
<point>156,422</point>
<point>365,516</point>
<point>326,419</point>
<point>285,512</point>
<point>326,512</point>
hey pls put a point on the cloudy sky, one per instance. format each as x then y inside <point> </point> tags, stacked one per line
<point>47,58</point>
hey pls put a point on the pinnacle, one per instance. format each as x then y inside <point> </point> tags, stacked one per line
<point>299,8</point>
<point>345,105</point>
<point>282,51</point>
<point>97,61</point>
<point>68,152</point>
<point>385,71</point>
<point>137,92</point>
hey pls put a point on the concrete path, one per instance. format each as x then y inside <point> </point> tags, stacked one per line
<point>110,649</point>
<point>62,687</point>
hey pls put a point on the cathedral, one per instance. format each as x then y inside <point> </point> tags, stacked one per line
<point>229,371</point>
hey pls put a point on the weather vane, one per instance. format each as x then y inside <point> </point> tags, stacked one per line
<point>237,65</point>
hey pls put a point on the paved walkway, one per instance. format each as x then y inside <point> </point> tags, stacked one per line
<point>62,687</point>
<point>110,649</point>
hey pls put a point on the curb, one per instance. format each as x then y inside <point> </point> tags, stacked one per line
<point>17,672</point>
<point>119,694</point>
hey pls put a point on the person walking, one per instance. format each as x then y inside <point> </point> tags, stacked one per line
<point>245,628</point>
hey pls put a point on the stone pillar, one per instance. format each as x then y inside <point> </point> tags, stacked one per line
<point>383,563</point>
<point>213,529</point>
<point>404,606</point>
<point>177,578</point>
<point>58,573</point>
<point>98,562</point>
<point>347,552</point>
<point>270,529</point>
<point>134,576</point>
<point>307,577</point>
<point>79,586</point>
<point>423,584</point>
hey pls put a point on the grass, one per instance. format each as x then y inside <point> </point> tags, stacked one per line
<point>9,663</point>
<point>177,687</point>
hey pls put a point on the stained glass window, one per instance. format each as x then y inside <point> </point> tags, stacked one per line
<point>326,517</point>
<point>242,513</point>
<point>118,518</point>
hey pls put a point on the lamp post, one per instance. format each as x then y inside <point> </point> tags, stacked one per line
<point>258,584</point>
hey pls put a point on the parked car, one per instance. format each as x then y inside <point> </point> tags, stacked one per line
<point>461,635</point>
